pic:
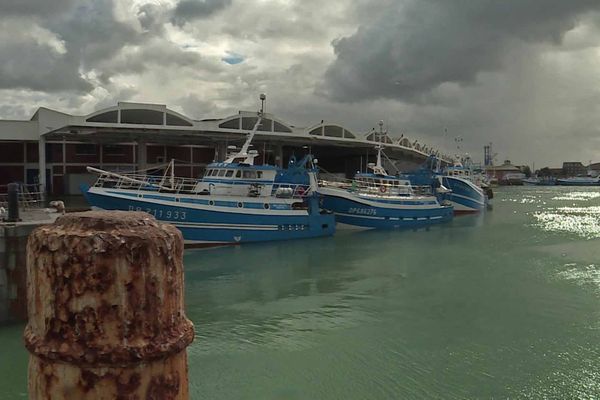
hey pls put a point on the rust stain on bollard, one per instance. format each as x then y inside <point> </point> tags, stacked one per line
<point>105,300</point>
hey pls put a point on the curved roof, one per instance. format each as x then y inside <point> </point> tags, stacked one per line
<point>157,123</point>
<point>139,114</point>
<point>246,121</point>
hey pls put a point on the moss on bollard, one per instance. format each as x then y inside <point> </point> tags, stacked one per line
<point>106,311</point>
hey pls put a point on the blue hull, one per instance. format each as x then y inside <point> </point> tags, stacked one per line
<point>465,196</point>
<point>212,228</point>
<point>360,214</point>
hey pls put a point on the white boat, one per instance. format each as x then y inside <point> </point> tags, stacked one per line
<point>579,181</point>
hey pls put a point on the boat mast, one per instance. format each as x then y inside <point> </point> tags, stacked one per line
<point>243,153</point>
<point>378,167</point>
<point>172,175</point>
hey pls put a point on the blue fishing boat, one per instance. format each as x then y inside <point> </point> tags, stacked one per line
<point>455,183</point>
<point>377,200</point>
<point>234,202</point>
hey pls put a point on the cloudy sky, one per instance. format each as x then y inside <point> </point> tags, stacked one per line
<point>523,74</point>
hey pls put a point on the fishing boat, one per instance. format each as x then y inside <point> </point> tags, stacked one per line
<point>456,183</point>
<point>234,202</point>
<point>469,192</point>
<point>378,200</point>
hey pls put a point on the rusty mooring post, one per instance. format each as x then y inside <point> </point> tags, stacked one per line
<point>105,300</point>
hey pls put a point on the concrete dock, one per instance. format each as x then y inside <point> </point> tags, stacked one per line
<point>13,277</point>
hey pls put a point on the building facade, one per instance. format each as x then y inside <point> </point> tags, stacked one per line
<point>573,168</point>
<point>53,148</point>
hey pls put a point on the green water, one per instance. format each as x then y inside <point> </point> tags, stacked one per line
<point>502,305</point>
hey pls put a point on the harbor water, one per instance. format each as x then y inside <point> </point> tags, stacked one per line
<point>500,305</point>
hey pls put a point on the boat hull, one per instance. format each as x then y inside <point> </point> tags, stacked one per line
<point>567,182</point>
<point>202,225</point>
<point>353,211</point>
<point>465,196</point>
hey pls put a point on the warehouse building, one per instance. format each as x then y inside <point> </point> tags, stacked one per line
<point>138,136</point>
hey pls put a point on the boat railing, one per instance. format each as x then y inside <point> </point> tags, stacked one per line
<point>29,196</point>
<point>180,185</point>
<point>375,188</point>
<point>142,182</point>
<point>292,190</point>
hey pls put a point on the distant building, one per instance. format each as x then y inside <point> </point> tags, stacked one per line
<point>573,168</point>
<point>556,172</point>
<point>505,171</point>
<point>595,167</point>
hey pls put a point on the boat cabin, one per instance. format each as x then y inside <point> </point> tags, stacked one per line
<point>237,180</point>
<point>458,171</point>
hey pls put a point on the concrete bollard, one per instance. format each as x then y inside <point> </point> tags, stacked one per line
<point>106,311</point>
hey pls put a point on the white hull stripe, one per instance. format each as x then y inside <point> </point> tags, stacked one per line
<point>359,216</point>
<point>468,198</point>
<point>201,207</point>
<point>391,219</point>
<point>225,226</point>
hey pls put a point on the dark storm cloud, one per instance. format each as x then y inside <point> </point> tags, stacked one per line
<point>30,65</point>
<point>92,34</point>
<point>189,10</point>
<point>415,46</point>
<point>34,7</point>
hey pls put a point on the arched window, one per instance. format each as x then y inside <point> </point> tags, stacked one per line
<point>281,128</point>
<point>231,124</point>
<point>141,116</point>
<point>317,131</point>
<point>348,134</point>
<point>174,120</point>
<point>266,125</point>
<point>109,116</point>
<point>333,131</point>
<point>248,123</point>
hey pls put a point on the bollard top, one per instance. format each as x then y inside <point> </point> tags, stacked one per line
<point>106,220</point>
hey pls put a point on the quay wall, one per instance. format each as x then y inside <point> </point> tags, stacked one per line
<point>13,275</point>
